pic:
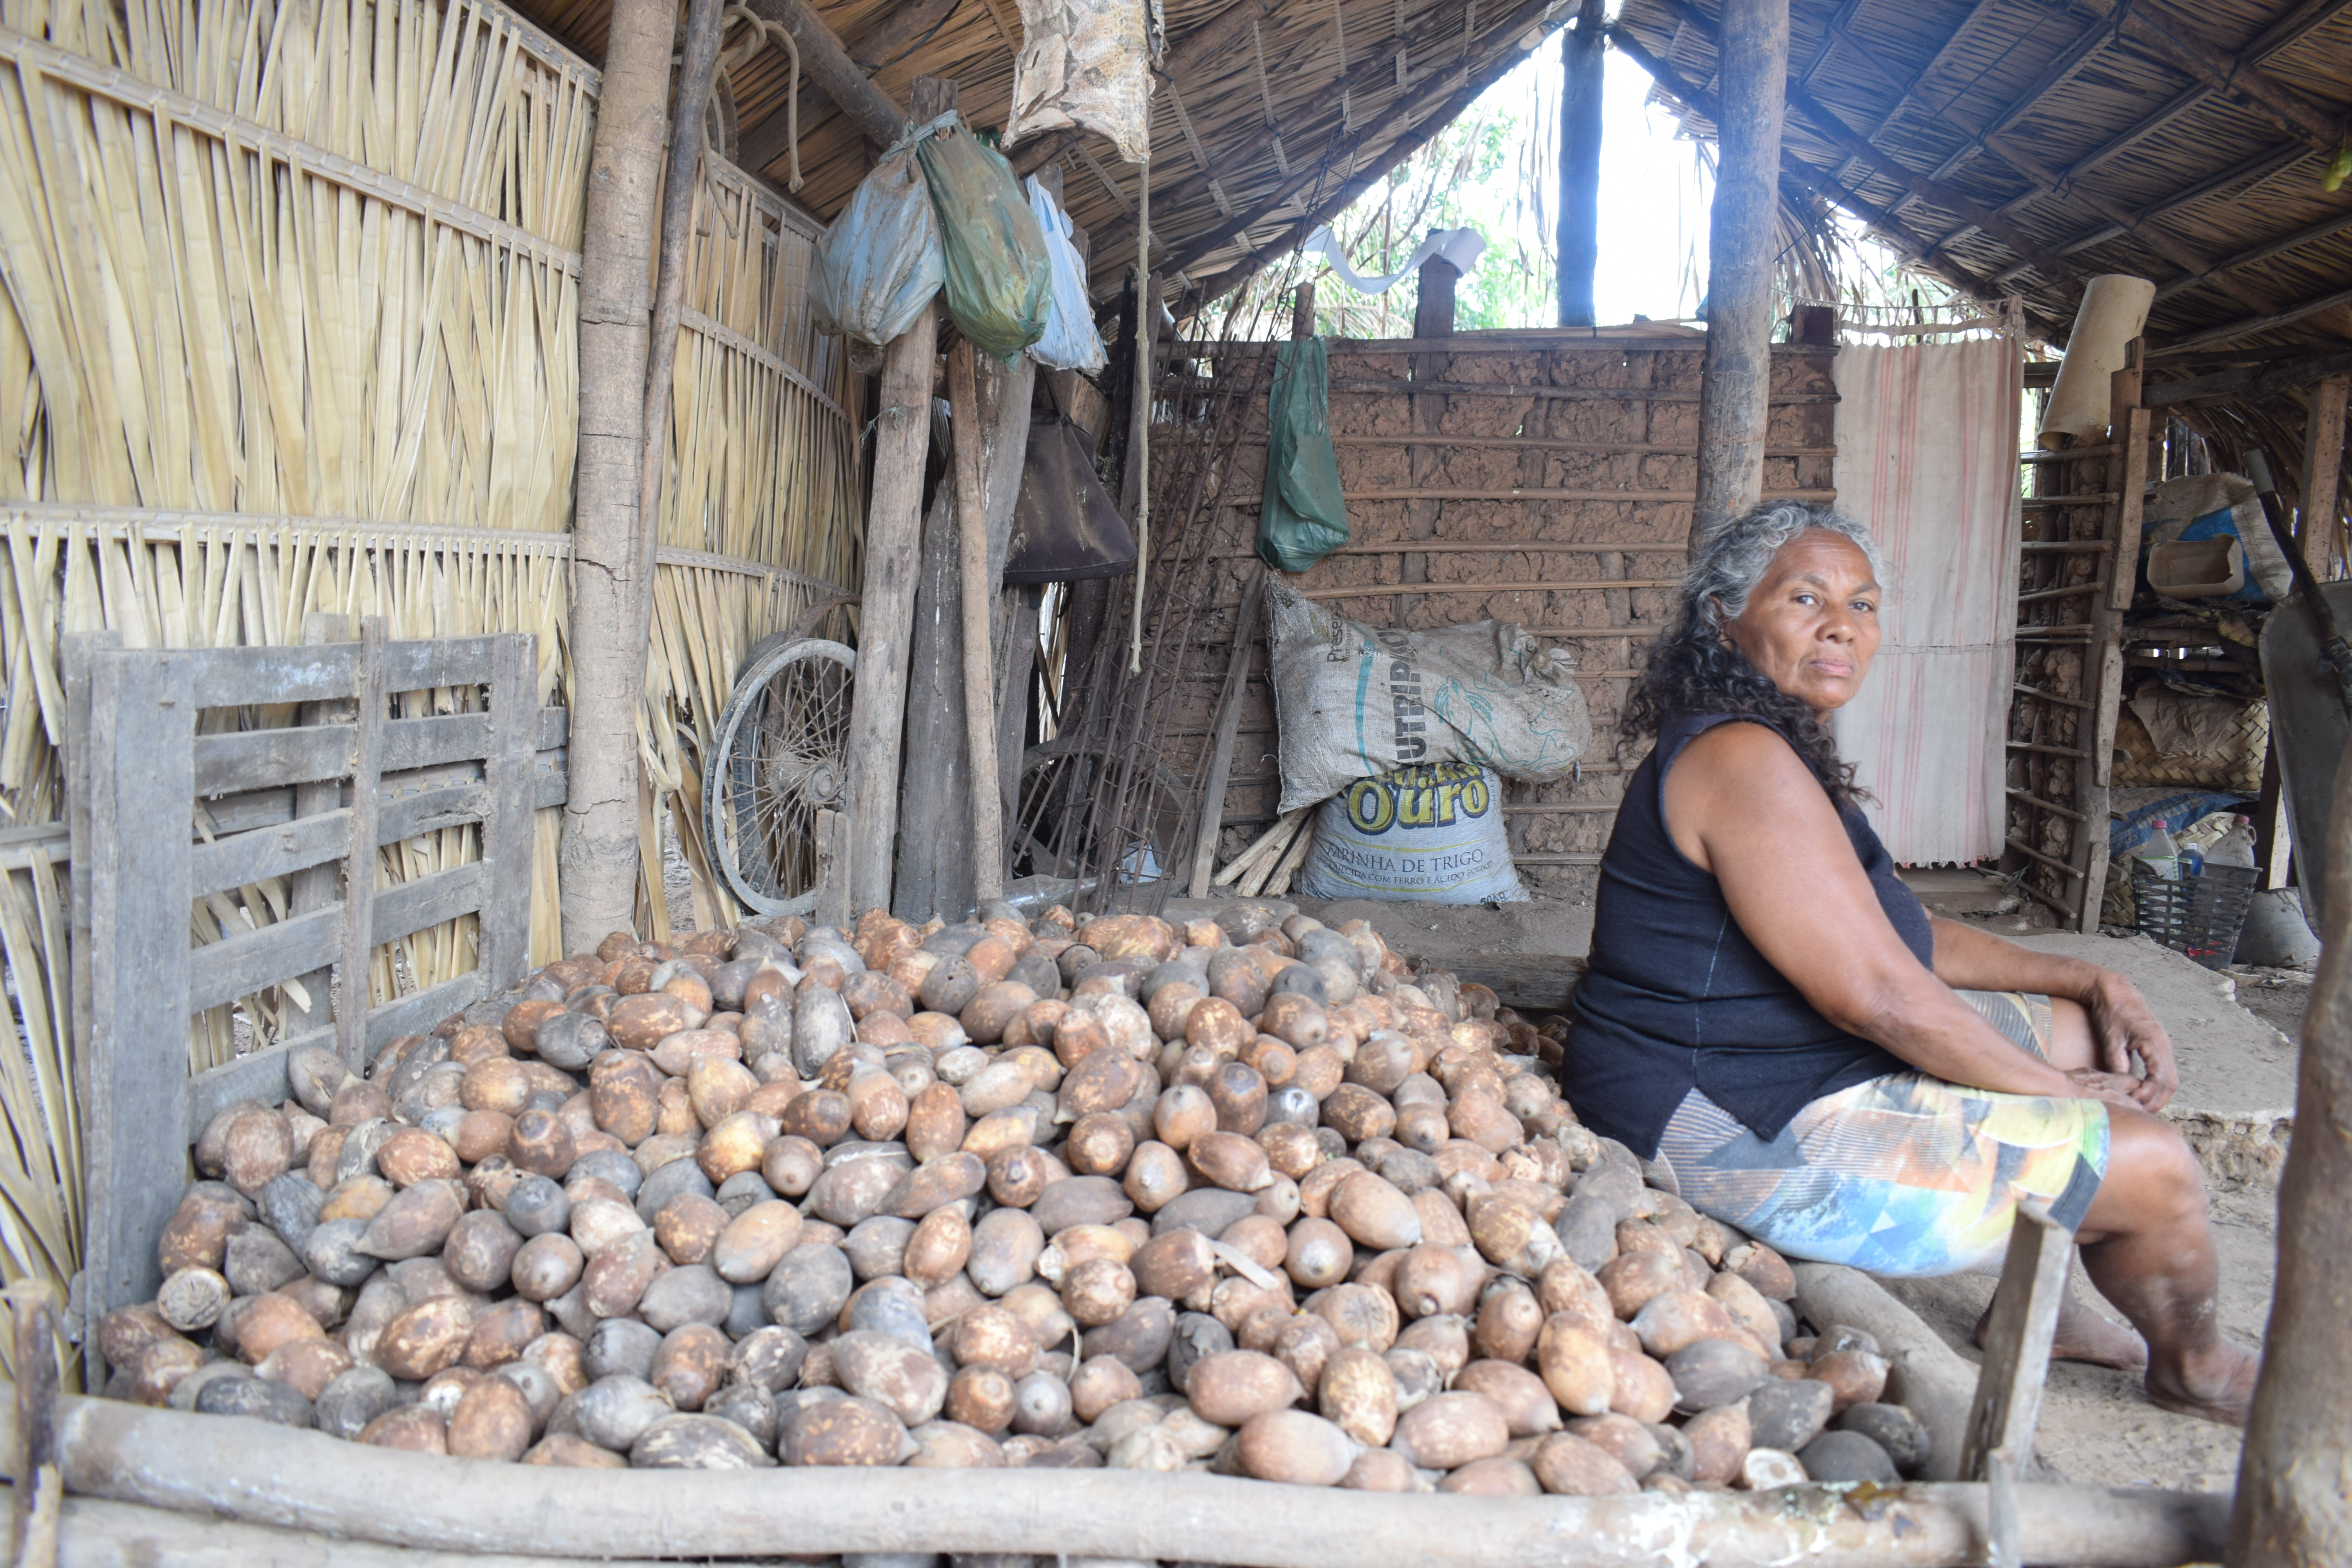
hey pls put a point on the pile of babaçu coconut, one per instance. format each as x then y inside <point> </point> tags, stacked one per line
<point>1232,1195</point>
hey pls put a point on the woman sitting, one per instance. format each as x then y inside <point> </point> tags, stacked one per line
<point>1770,1013</point>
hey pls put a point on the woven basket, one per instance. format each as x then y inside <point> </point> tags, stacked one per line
<point>2236,765</point>
<point>2198,916</point>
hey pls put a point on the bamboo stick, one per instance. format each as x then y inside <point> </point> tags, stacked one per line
<point>979,697</point>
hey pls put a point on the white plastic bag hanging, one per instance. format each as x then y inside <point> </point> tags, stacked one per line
<point>1087,63</point>
<point>879,263</point>
<point>1070,341</point>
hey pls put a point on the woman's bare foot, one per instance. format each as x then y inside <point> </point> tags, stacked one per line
<point>2218,1385</point>
<point>2086,1334</point>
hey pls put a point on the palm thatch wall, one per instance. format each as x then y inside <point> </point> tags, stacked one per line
<point>290,326</point>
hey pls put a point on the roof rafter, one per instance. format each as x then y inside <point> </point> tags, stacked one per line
<point>1824,124</point>
<point>2165,34</point>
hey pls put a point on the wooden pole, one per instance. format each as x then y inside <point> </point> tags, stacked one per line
<point>696,70</point>
<point>307,1480</point>
<point>908,23</point>
<point>1302,322</point>
<point>597,855</point>
<point>2293,1508</point>
<point>39,1489</point>
<point>1738,374</point>
<point>1229,722</point>
<point>894,530</point>
<point>2322,471</point>
<point>1582,57</point>
<point>1433,317</point>
<point>979,667</point>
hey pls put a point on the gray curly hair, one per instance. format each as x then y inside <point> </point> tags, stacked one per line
<point>1728,563</point>
<point>1693,668</point>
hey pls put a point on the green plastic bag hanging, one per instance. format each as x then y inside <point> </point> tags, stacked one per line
<point>1000,277</point>
<point>1302,518</point>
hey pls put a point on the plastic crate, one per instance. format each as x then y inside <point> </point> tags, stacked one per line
<point>2198,916</point>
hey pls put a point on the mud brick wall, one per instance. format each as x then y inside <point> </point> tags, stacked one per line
<point>1456,465</point>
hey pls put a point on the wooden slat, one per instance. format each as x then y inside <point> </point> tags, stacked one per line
<point>245,858</point>
<point>309,1004</point>
<point>257,758</point>
<point>429,901</point>
<point>250,809</point>
<point>136,1134</point>
<point>2018,1333</point>
<point>360,864</point>
<point>325,672</point>
<point>509,833</point>
<point>242,964</point>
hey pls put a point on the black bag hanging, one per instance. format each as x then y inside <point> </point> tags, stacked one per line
<point>1065,527</point>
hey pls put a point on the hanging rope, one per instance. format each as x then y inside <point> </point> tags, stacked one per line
<point>764,32</point>
<point>1265,97</point>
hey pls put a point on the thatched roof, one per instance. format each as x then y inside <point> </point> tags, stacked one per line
<point>1332,142</point>
<point>2023,146</point>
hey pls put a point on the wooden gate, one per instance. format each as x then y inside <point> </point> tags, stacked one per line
<point>168,810</point>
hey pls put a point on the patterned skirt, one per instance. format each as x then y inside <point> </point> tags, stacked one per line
<point>1905,1175</point>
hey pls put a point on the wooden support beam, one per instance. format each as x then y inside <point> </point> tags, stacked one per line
<point>825,62</point>
<point>2162,32</point>
<point>2293,1507</point>
<point>697,65</point>
<point>1583,53</point>
<point>119,1451</point>
<point>2247,328</point>
<point>1735,388</point>
<point>2249,384</point>
<point>885,611</point>
<point>1302,316</point>
<point>979,664</point>
<point>2323,469</point>
<point>2311,234</point>
<point>870,51</point>
<point>598,853</point>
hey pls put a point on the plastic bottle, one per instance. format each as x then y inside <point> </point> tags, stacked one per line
<point>2236,847</point>
<point>2160,853</point>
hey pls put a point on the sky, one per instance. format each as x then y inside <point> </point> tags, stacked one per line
<point>1654,190</point>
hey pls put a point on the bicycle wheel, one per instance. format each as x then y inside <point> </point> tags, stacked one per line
<point>780,757</point>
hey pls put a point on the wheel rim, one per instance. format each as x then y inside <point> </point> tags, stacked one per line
<point>781,757</point>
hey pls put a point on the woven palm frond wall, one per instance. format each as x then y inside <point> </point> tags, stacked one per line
<point>289,325</point>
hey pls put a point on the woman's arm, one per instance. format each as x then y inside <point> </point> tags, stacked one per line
<point>1969,959</point>
<point>1740,805</point>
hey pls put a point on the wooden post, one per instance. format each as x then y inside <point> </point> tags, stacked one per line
<point>894,530</point>
<point>2103,657</point>
<point>1229,720</point>
<point>979,667</point>
<point>39,1493</point>
<point>598,854</point>
<point>358,861</point>
<point>316,887</point>
<point>2292,1507</point>
<point>1581,55</point>
<point>2322,471</point>
<point>1302,322</point>
<point>675,236</point>
<point>1736,388</point>
<point>1433,317</point>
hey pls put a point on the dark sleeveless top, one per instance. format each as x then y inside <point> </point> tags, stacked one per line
<point>1677,998</point>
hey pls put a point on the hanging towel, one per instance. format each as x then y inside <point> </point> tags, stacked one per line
<point>1926,458</point>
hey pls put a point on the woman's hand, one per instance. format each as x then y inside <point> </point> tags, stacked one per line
<point>2113,1087</point>
<point>2125,1029</point>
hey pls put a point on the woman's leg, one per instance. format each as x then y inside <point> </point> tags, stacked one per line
<point>2149,1250</point>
